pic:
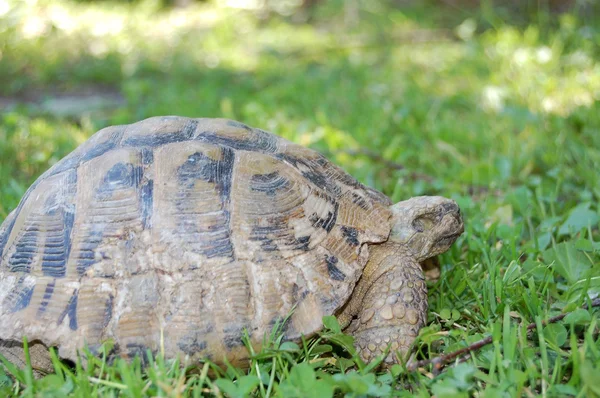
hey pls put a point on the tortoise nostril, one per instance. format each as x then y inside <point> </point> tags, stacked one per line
<point>450,207</point>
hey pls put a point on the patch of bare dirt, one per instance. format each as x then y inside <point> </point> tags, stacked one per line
<point>75,102</point>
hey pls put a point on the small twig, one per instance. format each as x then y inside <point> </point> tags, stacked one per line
<point>443,360</point>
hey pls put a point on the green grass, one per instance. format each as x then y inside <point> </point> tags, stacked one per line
<point>501,114</point>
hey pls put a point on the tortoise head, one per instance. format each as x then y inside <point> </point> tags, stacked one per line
<point>427,225</point>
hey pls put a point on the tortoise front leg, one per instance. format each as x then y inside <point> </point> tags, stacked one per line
<point>392,310</point>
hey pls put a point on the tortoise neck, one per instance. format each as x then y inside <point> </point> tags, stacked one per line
<point>384,257</point>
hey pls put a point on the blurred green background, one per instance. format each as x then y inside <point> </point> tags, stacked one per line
<point>493,103</point>
<point>469,98</point>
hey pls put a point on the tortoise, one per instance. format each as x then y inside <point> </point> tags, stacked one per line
<point>177,235</point>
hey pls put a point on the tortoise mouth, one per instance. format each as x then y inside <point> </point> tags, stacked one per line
<point>448,240</point>
<point>455,226</point>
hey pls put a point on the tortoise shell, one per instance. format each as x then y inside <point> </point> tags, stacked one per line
<point>177,234</point>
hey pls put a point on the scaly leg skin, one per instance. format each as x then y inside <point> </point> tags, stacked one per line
<point>392,309</point>
<point>38,353</point>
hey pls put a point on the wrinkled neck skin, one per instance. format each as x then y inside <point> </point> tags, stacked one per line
<point>385,258</point>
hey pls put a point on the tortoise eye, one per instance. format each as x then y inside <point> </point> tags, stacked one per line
<point>422,223</point>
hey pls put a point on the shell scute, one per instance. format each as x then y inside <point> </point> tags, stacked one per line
<point>199,228</point>
<point>192,193</point>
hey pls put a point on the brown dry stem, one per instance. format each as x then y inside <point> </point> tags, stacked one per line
<point>440,362</point>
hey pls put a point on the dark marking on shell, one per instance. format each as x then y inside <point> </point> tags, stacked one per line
<point>326,223</point>
<point>271,234</point>
<point>218,172</point>
<point>277,234</point>
<point>146,202</point>
<point>269,183</point>
<point>340,175</point>
<point>303,243</point>
<point>360,201</point>
<point>274,321</point>
<point>147,156</point>
<point>158,139</point>
<point>260,234</point>
<point>103,147</point>
<point>86,256</point>
<point>54,265</point>
<point>46,298</point>
<point>147,189</point>
<point>17,212</point>
<point>72,161</point>
<point>71,311</point>
<point>333,270</point>
<point>58,245</point>
<point>240,125</point>
<point>69,220</point>
<point>298,295</point>
<point>321,181</point>
<point>313,171</point>
<point>20,296</point>
<point>99,349</point>
<point>21,259</point>
<point>4,237</point>
<point>108,308</point>
<point>223,248</point>
<point>233,336</point>
<point>225,175</point>
<point>121,175</point>
<point>377,196</point>
<point>68,163</point>
<point>351,235</point>
<point>198,167</point>
<point>261,141</point>
<point>133,350</point>
<point>192,344</point>
<point>9,228</point>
